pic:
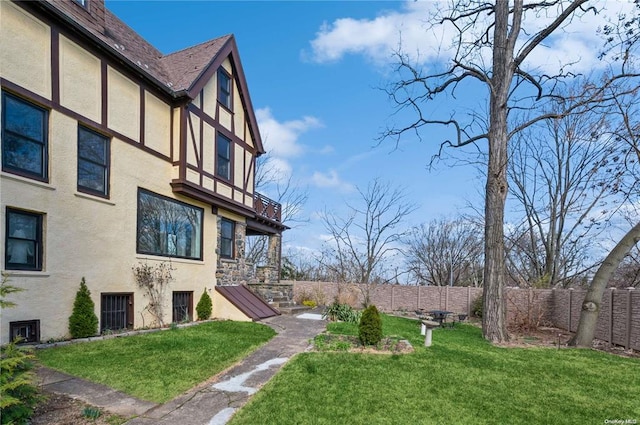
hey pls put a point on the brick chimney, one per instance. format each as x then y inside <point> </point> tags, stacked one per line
<point>97,10</point>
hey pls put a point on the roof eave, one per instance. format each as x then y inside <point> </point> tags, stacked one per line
<point>109,50</point>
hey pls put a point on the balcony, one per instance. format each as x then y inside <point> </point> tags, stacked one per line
<point>267,208</point>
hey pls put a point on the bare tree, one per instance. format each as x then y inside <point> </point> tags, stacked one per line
<point>363,241</point>
<point>627,134</point>
<point>564,176</point>
<point>491,48</point>
<point>445,253</point>
<point>284,190</point>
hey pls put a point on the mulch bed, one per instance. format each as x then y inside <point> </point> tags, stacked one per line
<point>388,345</point>
<point>59,409</point>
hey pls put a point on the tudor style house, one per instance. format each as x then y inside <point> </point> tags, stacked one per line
<point>115,155</point>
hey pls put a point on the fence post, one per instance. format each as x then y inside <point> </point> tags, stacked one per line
<point>392,297</point>
<point>629,293</point>
<point>611,317</point>
<point>570,307</point>
<point>418,301</point>
<point>446,297</point>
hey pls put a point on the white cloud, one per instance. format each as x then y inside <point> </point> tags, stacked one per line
<point>378,38</point>
<point>281,138</point>
<point>281,141</point>
<point>331,180</point>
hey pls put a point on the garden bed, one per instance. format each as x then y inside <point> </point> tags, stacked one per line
<point>351,343</point>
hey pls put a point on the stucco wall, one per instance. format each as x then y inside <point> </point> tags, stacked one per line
<point>25,55</point>
<point>83,235</point>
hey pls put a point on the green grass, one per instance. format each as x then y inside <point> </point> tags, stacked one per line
<point>460,379</point>
<point>159,366</point>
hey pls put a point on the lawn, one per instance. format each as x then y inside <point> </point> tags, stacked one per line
<point>461,379</point>
<point>159,366</point>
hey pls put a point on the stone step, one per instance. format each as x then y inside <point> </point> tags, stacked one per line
<point>294,309</point>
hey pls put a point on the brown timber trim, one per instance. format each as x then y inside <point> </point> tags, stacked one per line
<point>230,50</point>
<point>142,114</point>
<point>199,193</point>
<point>194,143</point>
<point>105,92</point>
<point>55,65</point>
<point>74,31</point>
<point>171,135</point>
<point>219,127</point>
<point>201,162</point>
<point>37,99</point>
<point>265,226</point>
<point>183,143</point>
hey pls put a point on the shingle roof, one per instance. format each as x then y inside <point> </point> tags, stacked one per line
<point>247,302</point>
<point>176,71</point>
<point>185,66</point>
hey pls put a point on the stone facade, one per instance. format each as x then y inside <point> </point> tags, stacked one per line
<point>239,271</point>
<point>278,294</point>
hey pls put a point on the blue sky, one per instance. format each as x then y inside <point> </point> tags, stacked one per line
<point>314,70</point>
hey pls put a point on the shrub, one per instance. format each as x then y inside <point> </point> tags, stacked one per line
<point>154,280</point>
<point>370,327</point>
<point>203,309</point>
<point>309,303</point>
<point>83,322</point>
<point>476,307</point>
<point>342,312</point>
<point>18,394</point>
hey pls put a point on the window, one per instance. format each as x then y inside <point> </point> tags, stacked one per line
<point>182,306</point>
<point>223,157</point>
<point>23,250</point>
<point>24,138</point>
<point>167,227</point>
<point>224,88</point>
<point>227,229</point>
<point>116,312</point>
<point>93,162</point>
<point>26,330</point>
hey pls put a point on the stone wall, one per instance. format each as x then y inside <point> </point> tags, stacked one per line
<point>618,321</point>
<point>278,294</point>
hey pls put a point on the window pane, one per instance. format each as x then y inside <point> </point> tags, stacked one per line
<point>24,119</point>
<point>226,248</point>
<point>93,160</point>
<point>167,227</point>
<point>226,229</point>
<point>92,147</point>
<point>24,147</point>
<point>224,88</point>
<point>223,147</point>
<point>23,241</point>
<point>23,226</point>
<point>91,176</point>
<point>22,154</point>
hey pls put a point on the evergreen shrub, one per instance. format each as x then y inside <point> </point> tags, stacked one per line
<point>83,322</point>
<point>370,327</point>
<point>204,307</point>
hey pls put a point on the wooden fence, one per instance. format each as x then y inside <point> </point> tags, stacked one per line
<point>618,320</point>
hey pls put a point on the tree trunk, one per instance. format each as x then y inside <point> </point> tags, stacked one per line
<point>494,326</point>
<point>593,299</point>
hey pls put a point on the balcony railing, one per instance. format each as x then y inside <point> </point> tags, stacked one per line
<point>267,208</point>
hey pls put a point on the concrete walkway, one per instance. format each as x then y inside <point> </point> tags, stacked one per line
<point>210,403</point>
